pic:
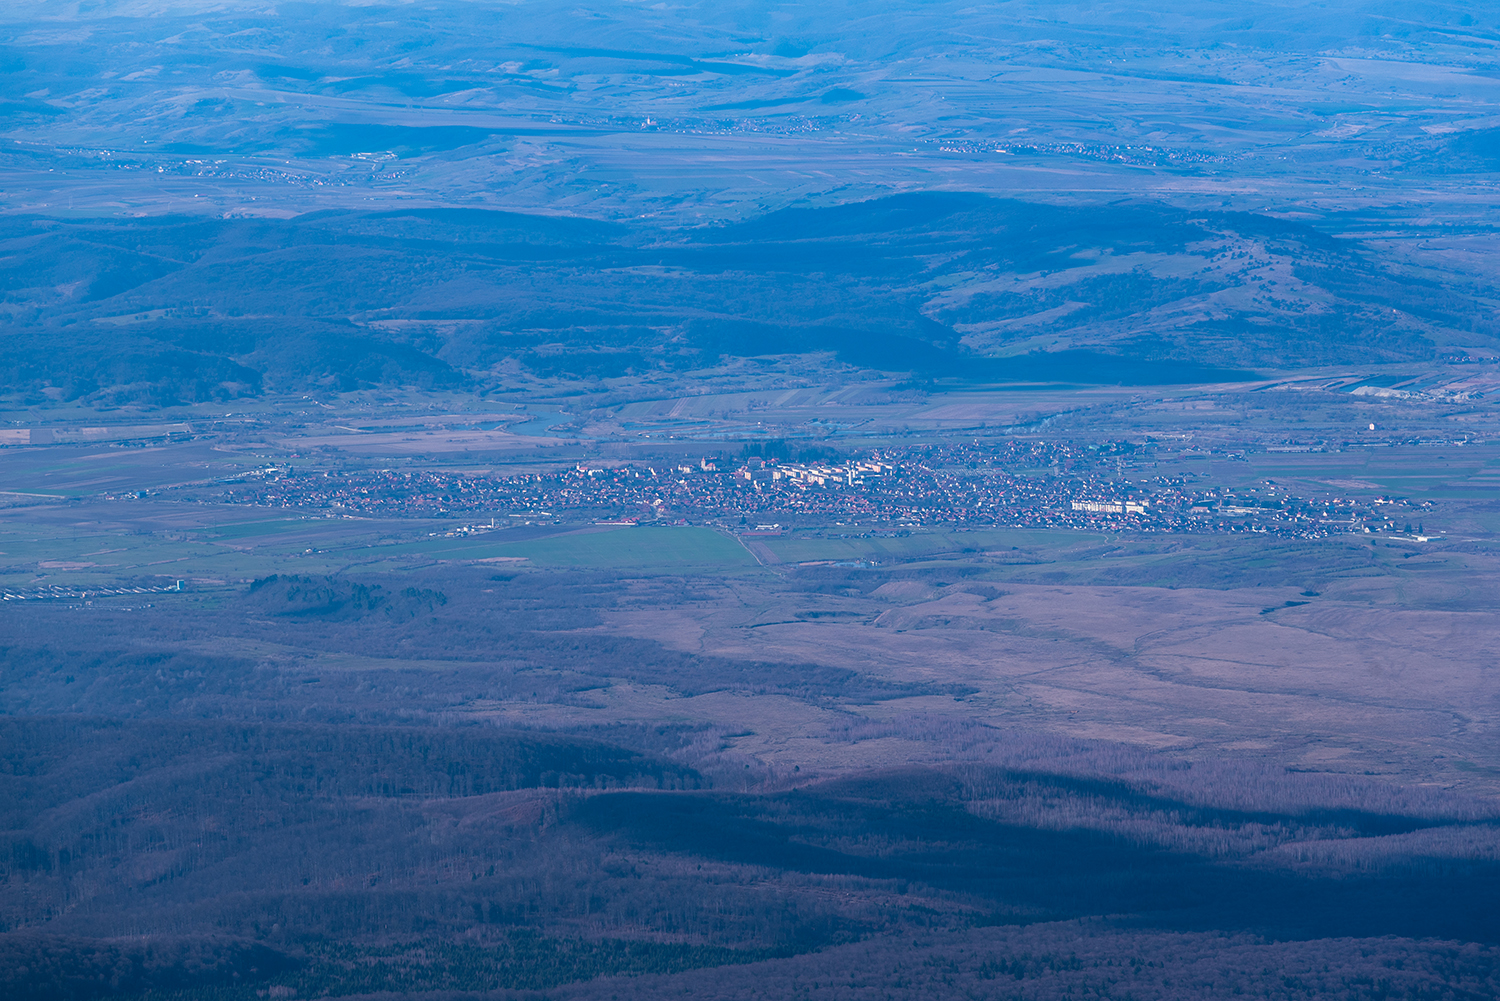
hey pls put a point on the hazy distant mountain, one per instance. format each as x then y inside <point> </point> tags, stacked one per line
<point>708,110</point>
<point>945,286</point>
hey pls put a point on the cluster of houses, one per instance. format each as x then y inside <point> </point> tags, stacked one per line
<point>851,473</point>
<point>1111,507</point>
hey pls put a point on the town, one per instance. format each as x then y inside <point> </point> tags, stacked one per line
<point>1014,483</point>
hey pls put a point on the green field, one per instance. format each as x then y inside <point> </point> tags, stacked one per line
<point>246,550</point>
<point>1459,472</point>
<point>794,549</point>
<point>614,548</point>
<point>98,545</point>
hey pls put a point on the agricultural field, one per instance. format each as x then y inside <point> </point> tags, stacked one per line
<point>649,549</point>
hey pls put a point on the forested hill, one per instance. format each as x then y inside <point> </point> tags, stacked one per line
<point>948,286</point>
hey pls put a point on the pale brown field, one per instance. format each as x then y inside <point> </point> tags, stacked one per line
<point>1336,683</point>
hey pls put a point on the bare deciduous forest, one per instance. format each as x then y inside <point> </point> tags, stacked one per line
<point>342,820</point>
